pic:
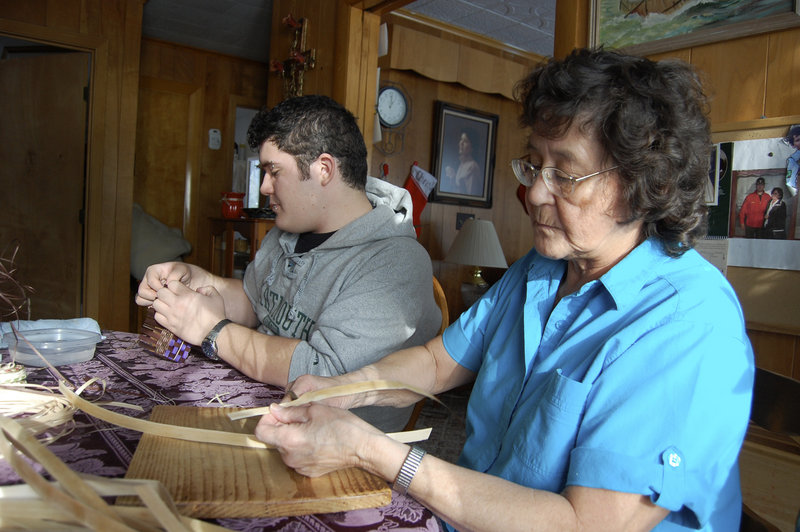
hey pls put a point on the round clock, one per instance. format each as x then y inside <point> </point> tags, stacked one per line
<point>392,106</point>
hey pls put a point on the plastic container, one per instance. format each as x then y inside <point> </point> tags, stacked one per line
<point>58,346</point>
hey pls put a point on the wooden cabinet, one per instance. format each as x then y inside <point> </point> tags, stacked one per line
<point>230,253</point>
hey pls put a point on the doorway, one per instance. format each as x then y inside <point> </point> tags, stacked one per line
<point>43,136</point>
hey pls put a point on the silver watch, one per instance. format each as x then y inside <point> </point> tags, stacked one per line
<point>209,345</point>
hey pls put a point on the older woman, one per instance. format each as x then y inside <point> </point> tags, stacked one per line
<point>612,373</point>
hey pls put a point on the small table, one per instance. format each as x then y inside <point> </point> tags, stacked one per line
<point>222,232</point>
<point>134,376</point>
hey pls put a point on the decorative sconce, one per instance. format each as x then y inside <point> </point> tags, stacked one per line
<point>292,69</point>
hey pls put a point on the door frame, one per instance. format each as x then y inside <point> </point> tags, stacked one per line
<point>111,137</point>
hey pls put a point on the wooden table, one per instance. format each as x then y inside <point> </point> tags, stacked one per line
<point>137,377</point>
<point>223,243</point>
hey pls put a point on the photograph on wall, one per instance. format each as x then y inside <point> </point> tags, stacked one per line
<point>763,204</point>
<point>463,155</point>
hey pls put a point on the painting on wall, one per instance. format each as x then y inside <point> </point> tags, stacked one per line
<point>463,155</point>
<point>652,26</point>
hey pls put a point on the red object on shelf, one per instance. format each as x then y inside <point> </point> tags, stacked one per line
<point>232,204</point>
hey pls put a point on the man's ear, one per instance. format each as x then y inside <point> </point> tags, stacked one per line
<point>326,166</point>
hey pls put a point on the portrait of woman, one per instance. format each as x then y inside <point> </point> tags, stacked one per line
<point>463,154</point>
<point>775,216</point>
<point>467,177</point>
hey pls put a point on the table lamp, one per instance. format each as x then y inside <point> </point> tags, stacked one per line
<point>476,245</point>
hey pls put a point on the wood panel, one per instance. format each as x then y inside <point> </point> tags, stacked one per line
<point>322,18</point>
<point>110,30</point>
<point>161,150</point>
<point>734,68</point>
<point>186,92</point>
<point>783,65</point>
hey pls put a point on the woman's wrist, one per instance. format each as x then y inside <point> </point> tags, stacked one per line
<point>381,455</point>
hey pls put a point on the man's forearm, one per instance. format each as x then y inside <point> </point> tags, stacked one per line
<point>262,357</point>
<point>237,305</point>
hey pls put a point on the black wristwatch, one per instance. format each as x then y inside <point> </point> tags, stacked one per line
<point>209,345</point>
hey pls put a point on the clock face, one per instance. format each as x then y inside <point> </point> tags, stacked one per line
<point>392,107</point>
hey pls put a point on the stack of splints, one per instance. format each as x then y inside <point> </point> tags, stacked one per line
<point>159,341</point>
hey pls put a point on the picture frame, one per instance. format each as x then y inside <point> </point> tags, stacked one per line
<point>612,26</point>
<point>463,155</point>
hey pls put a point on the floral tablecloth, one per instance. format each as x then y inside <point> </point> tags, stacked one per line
<point>134,376</point>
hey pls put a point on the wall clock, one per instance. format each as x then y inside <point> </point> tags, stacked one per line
<point>392,106</point>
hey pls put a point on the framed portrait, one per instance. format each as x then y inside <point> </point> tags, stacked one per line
<point>645,27</point>
<point>463,155</point>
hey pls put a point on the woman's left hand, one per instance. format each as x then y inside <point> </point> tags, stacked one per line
<point>315,439</point>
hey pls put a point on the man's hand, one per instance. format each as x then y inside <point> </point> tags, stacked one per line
<point>188,313</point>
<point>158,275</point>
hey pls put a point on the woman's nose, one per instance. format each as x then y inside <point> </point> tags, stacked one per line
<point>538,193</point>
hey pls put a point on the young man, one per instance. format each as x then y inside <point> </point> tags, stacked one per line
<point>751,216</point>
<point>340,282</point>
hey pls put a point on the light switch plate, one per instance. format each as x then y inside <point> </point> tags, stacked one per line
<point>214,139</point>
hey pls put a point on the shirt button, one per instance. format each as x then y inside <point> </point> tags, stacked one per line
<point>674,459</point>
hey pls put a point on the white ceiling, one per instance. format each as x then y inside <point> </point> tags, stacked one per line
<point>241,27</point>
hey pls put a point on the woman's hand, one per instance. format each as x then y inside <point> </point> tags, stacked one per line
<point>315,439</point>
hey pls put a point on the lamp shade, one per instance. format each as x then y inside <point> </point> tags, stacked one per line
<point>476,244</point>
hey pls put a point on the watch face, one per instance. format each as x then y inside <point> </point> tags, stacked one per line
<point>392,107</point>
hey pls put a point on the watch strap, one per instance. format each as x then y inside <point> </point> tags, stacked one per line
<point>408,469</point>
<point>209,346</point>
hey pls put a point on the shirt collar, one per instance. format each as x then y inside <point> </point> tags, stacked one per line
<point>626,279</point>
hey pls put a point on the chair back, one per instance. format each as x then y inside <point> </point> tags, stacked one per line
<point>441,302</point>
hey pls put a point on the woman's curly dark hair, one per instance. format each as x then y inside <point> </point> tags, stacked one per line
<point>650,118</point>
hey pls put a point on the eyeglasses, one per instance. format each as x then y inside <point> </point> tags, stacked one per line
<point>558,182</point>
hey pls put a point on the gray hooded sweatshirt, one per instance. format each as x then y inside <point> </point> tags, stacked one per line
<point>365,292</point>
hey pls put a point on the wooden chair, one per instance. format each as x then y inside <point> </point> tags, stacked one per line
<point>441,302</point>
<point>770,457</point>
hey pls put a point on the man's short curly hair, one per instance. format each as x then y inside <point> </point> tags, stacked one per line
<point>308,126</point>
<point>651,120</point>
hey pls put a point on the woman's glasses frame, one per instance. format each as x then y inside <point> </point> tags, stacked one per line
<point>557,181</point>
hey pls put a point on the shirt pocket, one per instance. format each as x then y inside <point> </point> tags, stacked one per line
<point>547,427</point>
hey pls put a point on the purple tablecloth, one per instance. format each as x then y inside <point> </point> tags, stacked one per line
<point>136,377</point>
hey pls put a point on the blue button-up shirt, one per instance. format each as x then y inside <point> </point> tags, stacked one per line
<point>638,382</point>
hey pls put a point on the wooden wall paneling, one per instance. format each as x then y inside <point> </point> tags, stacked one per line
<point>355,66</point>
<point>734,68</point>
<point>425,54</point>
<point>215,174</point>
<point>110,30</point>
<point>571,26</point>
<point>206,88</point>
<point>774,351</point>
<point>783,64</point>
<point>684,54</point>
<point>322,21</point>
<point>162,149</point>
<point>768,297</point>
